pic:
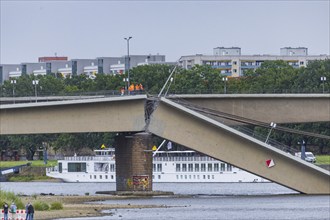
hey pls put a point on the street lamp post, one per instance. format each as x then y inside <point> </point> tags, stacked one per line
<point>272,126</point>
<point>323,79</point>
<point>128,61</point>
<point>225,79</point>
<point>35,83</point>
<point>13,82</point>
<point>125,80</point>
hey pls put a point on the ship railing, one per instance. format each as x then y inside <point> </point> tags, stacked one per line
<point>88,158</point>
<point>184,158</point>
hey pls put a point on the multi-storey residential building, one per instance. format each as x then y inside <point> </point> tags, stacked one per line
<point>230,62</point>
<point>90,67</point>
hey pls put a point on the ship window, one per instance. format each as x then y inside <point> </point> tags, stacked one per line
<point>159,167</point>
<point>177,167</point>
<point>222,167</point>
<point>184,167</point>
<point>203,167</point>
<point>190,167</point>
<point>60,167</point>
<point>112,167</point>
<point>216,167</point>
<point>209,167</point>
<point>229,167</point>
<point>101,167</point>
<point>76,167</point>
<point>196,167</point>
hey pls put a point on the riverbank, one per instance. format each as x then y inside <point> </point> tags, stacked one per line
<point>81,206</point>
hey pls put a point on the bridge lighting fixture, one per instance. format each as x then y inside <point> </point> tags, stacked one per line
<point>225,79</point>
<point>13,82</point>
<point>272,126</point>
<point>35,83</point>
<point>323,79</point>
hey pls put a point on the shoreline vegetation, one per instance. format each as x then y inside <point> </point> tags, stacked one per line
<point>75,206</point>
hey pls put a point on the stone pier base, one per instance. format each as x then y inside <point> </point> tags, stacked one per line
<point>134,162</point>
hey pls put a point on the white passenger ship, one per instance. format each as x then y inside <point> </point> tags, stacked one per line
<point>168,166</point>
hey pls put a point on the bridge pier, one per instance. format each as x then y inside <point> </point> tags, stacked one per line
<point>134,162</point>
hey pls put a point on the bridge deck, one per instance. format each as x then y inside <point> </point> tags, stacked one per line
<point>200,133</point>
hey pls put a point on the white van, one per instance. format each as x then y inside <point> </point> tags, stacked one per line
<point>309,156</point>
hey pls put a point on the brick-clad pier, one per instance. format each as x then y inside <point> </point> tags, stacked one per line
<point>134,162</point>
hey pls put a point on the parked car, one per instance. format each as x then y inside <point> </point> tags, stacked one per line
<point>309,156</point>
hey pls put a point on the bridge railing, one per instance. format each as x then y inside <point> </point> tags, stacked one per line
<point>248,91</point>
<point>263,138</point>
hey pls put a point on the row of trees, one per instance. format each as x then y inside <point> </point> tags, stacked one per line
<point>271,77</point>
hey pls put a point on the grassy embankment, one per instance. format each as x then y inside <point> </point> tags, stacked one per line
<point>27,175</point>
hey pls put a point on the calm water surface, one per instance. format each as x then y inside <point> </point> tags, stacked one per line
<point>227,201</point>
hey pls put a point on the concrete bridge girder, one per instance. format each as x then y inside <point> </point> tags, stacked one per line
<point>279,108</point>
<point>210,137</point>
<point>115,114</point>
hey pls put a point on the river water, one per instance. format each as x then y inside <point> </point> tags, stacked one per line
<point>227,201</point>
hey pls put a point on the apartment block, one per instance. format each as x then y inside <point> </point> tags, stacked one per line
<point>229,61</point>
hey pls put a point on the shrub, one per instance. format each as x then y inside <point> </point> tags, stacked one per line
<point>10,197</point>
<point>56,206</point>
<point>40,206</point>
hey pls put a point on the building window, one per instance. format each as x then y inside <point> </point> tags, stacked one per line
<point>235,70</point>
<point>159,177</point>
<point>106,176</point>
<point>235,62</point>
<point>112,177</point>
<point>100,176</point>
<point>301,62</point>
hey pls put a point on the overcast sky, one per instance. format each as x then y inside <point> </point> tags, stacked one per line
<point>90,29</point>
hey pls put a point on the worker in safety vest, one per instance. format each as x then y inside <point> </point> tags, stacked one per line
<point>131,87</point>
